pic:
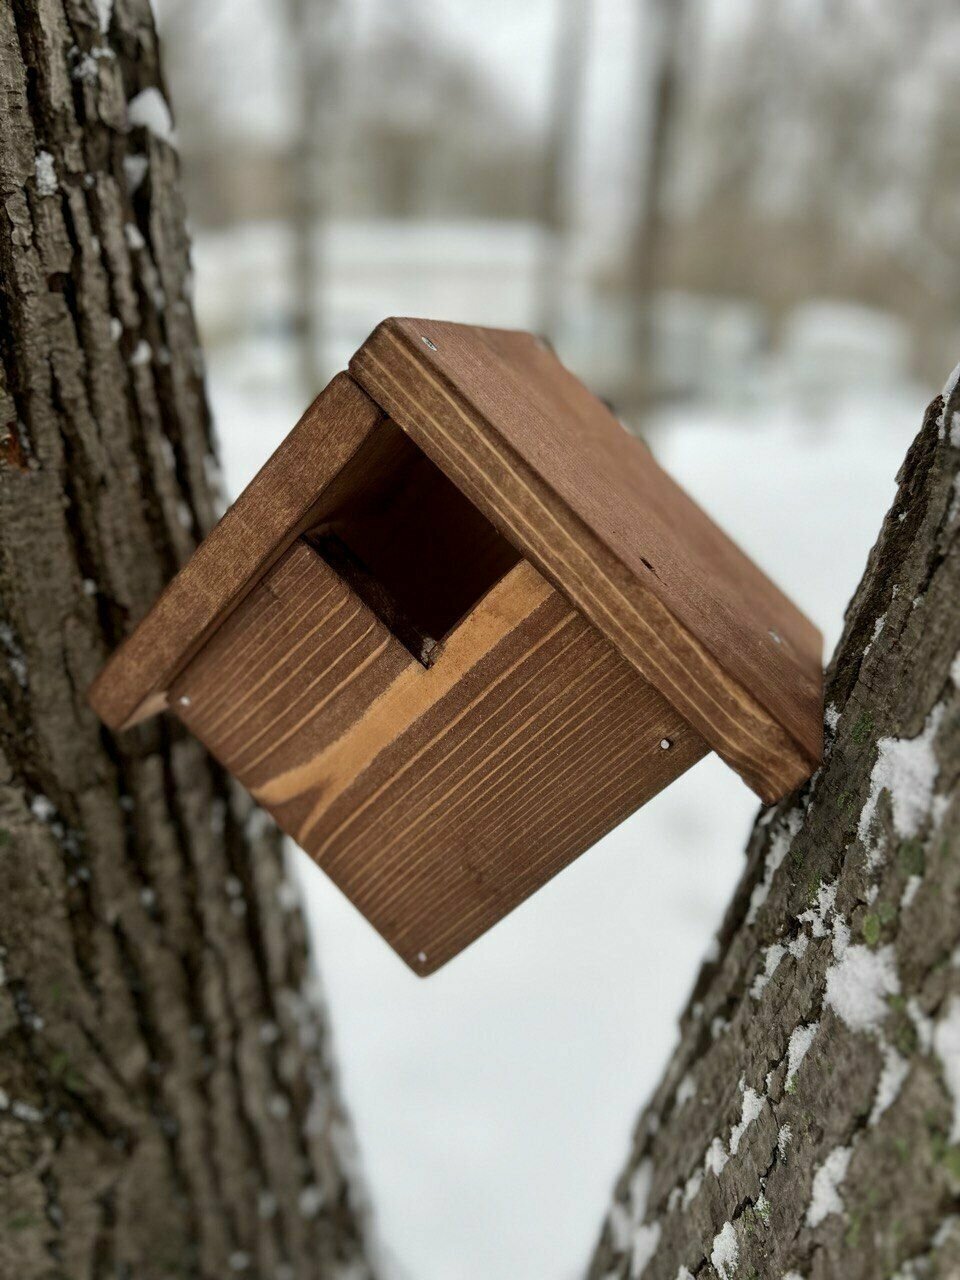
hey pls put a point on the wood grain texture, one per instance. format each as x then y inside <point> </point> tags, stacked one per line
<point>436,798</point>
<point>276,506</point>
<point>555,472</point>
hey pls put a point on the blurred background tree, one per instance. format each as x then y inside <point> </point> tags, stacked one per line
<point>752,159</point>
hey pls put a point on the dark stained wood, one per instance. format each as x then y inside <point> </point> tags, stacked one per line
<point>278,504</point>
<point>437,799</point>
<point>554,471</point>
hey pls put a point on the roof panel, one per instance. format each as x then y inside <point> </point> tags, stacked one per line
<point>552,467</point>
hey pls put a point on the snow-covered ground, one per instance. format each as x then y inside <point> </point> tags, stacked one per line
<point>493,1102</point>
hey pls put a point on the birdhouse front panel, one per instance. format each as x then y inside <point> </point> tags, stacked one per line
<point>439,768</point>
<point>461,625</point>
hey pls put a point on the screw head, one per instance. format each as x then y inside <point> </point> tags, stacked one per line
<point>426,341</point>
<point>665,744</point>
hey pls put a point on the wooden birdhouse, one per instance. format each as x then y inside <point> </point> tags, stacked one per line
<point>460,626</point>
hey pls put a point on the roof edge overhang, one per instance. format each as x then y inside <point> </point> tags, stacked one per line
<point>275,508</point>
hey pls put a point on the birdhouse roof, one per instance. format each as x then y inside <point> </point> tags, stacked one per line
<point>552,468</point>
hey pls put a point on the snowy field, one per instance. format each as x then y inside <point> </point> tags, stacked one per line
<point>494,1101</point>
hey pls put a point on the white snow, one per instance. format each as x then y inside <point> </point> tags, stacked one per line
<point>692,1186</point>
<point>618,1220</point>
<point>878,626</point>
<point>133,236</point>
<point>910,890</point>
<point>86,70</point>
<point>639,1191</point>
<point>950,385</point>
<point>752,1106</point>
<point>645,1241</point>
<point>831,718</point>
<point>801,1038</point>
<point>725,1252</point>
<point>858,985</point>
<point>923,1024</point>
<point>26,1112</point>
<point>16,659</point>
<point>149,110</point>
<point>907,768</point>
<point>104,10</point>
<point>825,1194</point>
<point>42,807</point>
<point>278,1106</point>
<point>779,846</point>
<point>892,1075</point>
<point>46,174</point>
<point>686,1090</point>
<point>946,1044</point>
<point>784,1138</point>
<point>142,354</point>
<point>310,1201</point>
<point>798,945</point>
<point>772,957</point>
<point>716,1157</point>
<point>135,170</point>
<point>287,896</point>
<point>116,328</point>
<point>841,936</point>
<point>816,916</point>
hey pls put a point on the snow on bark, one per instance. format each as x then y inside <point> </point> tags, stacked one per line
<point>149,110</point>
<point>825,1196</point>
<point>824,1134</point>
<point>725,1252</point>
<point>859,986</point>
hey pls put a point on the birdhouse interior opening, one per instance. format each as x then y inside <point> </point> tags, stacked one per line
<point>408,542</point>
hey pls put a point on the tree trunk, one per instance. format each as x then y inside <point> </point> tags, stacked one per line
<point>663,30</point>
<point>808,1123</point>
<point>167,1100</point>
<point>311,29</point>
<point>566,99</point>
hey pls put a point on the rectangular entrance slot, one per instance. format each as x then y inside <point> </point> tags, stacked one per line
<point>408,542</point>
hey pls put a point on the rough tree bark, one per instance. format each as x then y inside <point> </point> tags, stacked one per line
<point>167,1102</point>
<point>808,1123</point>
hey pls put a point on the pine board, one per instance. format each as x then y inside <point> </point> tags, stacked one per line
<point>436,798</point>
<point>277,505</point>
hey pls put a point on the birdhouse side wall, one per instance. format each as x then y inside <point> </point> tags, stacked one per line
<point>437,798</point>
